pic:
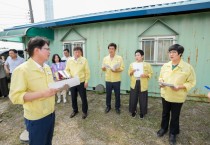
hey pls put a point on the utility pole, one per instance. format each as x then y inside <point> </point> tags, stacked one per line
<point>31,11</point>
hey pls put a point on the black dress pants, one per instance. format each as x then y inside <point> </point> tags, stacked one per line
<point>171,111</point>
<point>82,92</point>
<point>4,90</point>
<point>137,96</point>
<point>109,87</point>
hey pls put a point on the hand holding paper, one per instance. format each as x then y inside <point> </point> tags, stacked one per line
<point>103,68</point>
<point>60,84</point>
<point>175,88</point>
<point>116,66</point>
<point>106,66</point>
<point>144,76</point>
<point>138,67</point>
<point>166,84</point>
<point>113,68</point>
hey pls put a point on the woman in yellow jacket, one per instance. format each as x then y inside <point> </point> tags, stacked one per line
<point>176,79</point>
<point>140,72</point>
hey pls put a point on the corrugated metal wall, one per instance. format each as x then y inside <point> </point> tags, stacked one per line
<point>194,35</point>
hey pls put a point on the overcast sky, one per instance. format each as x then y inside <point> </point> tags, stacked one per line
<point>15,12</point>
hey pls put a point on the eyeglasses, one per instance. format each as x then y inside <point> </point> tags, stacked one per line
<point>48,49</point>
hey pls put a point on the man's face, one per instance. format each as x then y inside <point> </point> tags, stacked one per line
<point>77,53</point>
<point>3,58</point>
<point>138,56</point>
<point>44,53</point>
<point>66,53</point>
<point>174,56</point>
<point>12,54</point>
<point>112,50</point>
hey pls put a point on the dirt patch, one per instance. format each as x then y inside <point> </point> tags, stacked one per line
<point>110,129</point>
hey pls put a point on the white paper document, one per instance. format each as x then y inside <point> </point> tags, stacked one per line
<point>106,66</point>
<point>139,70</point>
<point>114,67</point>
<point>166,84</point>
<point>60,84</point>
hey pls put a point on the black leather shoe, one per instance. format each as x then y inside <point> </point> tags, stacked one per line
<point>141,116</point>
<point>107,109</point>
<point>161,132</point>
<point>172,139</point>
<point>84,115</point>
<point>133,114</point>
<point>73,114</point>
<point>117,111</point>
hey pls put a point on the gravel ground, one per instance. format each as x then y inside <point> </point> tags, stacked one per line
<point>110,129</point>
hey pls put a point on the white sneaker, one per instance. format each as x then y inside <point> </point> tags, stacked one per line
<point>58,101</point>
<point>69,93</point>
<point>24,136</point>
<point>64,100</point>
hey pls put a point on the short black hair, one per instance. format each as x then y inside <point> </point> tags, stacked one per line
<point>112,44</point>
<point>66,49</point>
<point>177,47</point>
<point>78,48</point>
<point>36,42</point>
<point>140,51</point>
<point>14,50</point>
<point>53,58</point>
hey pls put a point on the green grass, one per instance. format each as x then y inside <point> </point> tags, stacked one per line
<point>102,129</point>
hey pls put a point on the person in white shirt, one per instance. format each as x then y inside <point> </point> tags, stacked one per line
<point>65,58</point>
<point>66,55</point>
<point>12,62</point>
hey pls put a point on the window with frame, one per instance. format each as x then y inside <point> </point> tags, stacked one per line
<point>156,48</point>
<point>70,46</point>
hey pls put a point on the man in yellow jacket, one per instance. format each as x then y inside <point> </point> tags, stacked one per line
<point>140,72</point>
<point>78,66</point>
<point>29,87</point>
<point>176,79</point>
<point>112,66</point>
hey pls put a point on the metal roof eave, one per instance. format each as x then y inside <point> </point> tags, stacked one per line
<point>120,15</point>
<point>131,14</point>
<point>13,35</point>
<point>16,35</point>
